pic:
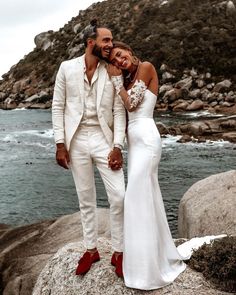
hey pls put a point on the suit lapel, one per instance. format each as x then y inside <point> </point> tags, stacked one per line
<point>81,62</point>
<point>101,83</point>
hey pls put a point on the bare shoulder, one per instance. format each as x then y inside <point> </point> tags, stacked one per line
<point>148,69</point>
<point>149,75</point>
<point>147,66</point>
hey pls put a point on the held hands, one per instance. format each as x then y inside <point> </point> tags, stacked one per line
<point>115,159</point>
<point>62,156</point>
<point>113,70</point>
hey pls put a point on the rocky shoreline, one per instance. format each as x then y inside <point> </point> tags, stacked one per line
<point>192,92</point>
<point>57,244</point>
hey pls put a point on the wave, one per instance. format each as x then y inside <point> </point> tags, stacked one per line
<point>198,114</point>
<point>47,133</point>
<point>170,140</point>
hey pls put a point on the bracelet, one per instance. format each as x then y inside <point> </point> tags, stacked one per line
<point>117,145</point>
<point>117,81</point>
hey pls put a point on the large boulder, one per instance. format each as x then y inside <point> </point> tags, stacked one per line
<point>58,277</point>
<point>25,250</point>
<point>208,207</point>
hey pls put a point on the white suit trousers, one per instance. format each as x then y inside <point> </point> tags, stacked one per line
<point>88,148</point>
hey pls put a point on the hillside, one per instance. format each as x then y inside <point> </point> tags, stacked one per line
<point>180,33</point>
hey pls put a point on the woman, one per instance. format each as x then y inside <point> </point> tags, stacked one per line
<point>151,259</point>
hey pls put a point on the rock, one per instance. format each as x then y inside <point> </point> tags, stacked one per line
<point>166,77</point>
<point>32,98</point>
<point>222,86</point>
<point>208,207</point>
<point>230,8</point>
<point>164,88</point>
<point>43,40</point>
<point>171,95</point>
<point>76,28</point>
<point>195,105</point>
<point>9,104</point>
<point>193,73</point>
<point>162,128</point>
<point>182,106</point>
<point>200,83</point>
<point>58,277</point>
<point>25,250</point>
<point>185,138</point>
<point>227,104</point>
<point>229,136</point>
<point>214,103</point>
<point>185,83</point>
<point>74,51</point>
<point>210,86</point>
<point>195,93</point>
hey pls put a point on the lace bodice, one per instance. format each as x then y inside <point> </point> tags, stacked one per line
<point>146,108</point>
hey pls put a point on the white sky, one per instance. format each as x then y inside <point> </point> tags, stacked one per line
<point>22,20</point>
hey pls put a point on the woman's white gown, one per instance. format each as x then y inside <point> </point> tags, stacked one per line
<point>151,259</point>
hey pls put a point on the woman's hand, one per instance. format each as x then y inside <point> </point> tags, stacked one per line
<point>113,70</point>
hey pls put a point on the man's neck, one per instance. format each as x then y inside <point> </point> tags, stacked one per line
<point>91,61</point>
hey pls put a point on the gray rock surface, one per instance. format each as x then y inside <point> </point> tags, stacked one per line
<point>58,277</point>
<point>208,207</point>
<point>25,250</point>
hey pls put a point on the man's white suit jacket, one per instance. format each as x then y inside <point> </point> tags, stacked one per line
<point>68,104</point>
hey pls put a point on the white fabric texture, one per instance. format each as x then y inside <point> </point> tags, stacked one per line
<point>89,148</point>
<point>186,249</point>
<point>151,259</point>
<point>68,103</point>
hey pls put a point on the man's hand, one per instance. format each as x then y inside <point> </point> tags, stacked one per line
<point>115,159</point>
<point>62,156</point>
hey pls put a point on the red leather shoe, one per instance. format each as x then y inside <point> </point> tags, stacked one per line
<point>113,259</point>
<point>119,270</point>
<point>86,262</point>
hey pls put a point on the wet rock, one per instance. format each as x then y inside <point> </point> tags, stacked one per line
<point>181,106</point>
<point>196,105</point>
<point>185,138</point>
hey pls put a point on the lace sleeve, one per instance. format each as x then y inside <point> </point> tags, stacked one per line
<point>136,93</point>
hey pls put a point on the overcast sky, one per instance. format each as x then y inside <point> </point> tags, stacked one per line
<point>22,20</point>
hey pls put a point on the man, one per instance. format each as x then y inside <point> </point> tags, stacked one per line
<point>89,128</point>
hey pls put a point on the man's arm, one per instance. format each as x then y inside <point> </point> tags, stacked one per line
<point>115,159</point>
<point>58,112</point>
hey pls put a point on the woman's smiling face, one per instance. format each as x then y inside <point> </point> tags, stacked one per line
<point>121,58</point>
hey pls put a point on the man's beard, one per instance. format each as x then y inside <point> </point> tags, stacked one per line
<point>97,51</point>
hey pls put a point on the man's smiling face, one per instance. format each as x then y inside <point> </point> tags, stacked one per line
<point>103,43</point>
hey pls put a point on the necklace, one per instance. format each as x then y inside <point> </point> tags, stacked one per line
<point>129,76</point>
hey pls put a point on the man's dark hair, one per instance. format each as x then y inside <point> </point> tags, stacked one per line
<point>91,31</point>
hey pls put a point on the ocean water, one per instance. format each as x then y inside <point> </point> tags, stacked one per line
<point>33,187</point>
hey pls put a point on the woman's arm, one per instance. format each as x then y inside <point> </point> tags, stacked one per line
<point>146,77</point>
